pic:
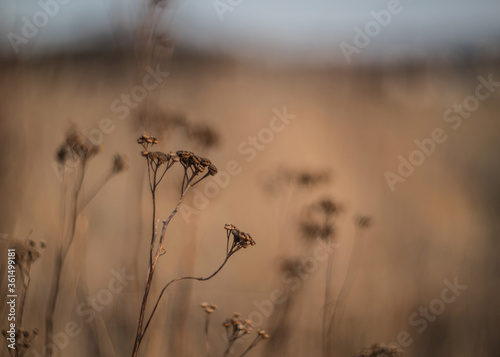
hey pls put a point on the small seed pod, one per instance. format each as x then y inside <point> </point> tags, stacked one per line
<point>205,162</point>
<point>162,157</point>
<point>229,227</point>
<point>212,170</point>
<point>200,168</point>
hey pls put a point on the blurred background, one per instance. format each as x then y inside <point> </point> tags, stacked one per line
<point>353,88</point>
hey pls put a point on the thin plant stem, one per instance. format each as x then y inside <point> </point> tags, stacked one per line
<point>179,279</point>
<point>61,255</point>
<point>328,295</point>
<point>152,263</point>
<point>207,341</point>
<point>339,307</point>
<point>252,345</point>
<point>26,278</point>
<point>229,345</point>
<point>95,190</point>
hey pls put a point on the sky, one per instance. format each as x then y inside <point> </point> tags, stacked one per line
<point>316,30</point>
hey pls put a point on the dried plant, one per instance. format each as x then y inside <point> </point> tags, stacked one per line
<point>379,350</point>
<point>361,223</point>
<point>325,230</point>
<point>236,328</point>
<point>209,309</point>
<point>24,340</point>
<point>76,152</point>
<point>196,169</point>
<point>292,268</point>
<point>26,254</point>
<point>295,178</point>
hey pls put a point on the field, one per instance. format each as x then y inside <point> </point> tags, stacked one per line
<point>372,198</point>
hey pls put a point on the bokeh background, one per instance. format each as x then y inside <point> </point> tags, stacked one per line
<point>229,73</point>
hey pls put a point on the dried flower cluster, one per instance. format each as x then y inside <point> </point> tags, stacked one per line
<point>240,239</point>
<point>292,267</point>
<point>237,327</point>
<point>262,333</point>
<point>328,207</point>
<point>208,308</point>
<point>119,163</point>
<point>193,164</point>
<point>295,177</point>
<point>313,230</point>
<point>379,350</point>
<point>77,147</point>
<point>29,253</point>
<point>26,254</point>
<point>24,339</point>
<point>319,223</point>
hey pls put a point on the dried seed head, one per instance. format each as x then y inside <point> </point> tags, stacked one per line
<point>240,238</point>
<point>173,156</point>
<point>363,221</point>
<point>195,159</point>
<point>200,168</point>
<point>119,163</point>
<point>205,162</point>
<point>212,169</point>
<point>184,154</point>
<point>262,333</point>
<point>208,308</point>
<point>162,157</point>
<point>229,227</point>
<point>74,139</point>
<point>328,206</point>
<point>146,140</point>
<point>237,327</point>
<point>62,153</point>
<point>292,266</point>
<point>78,146</point>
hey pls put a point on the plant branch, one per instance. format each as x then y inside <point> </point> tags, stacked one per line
<point>179,279</point>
